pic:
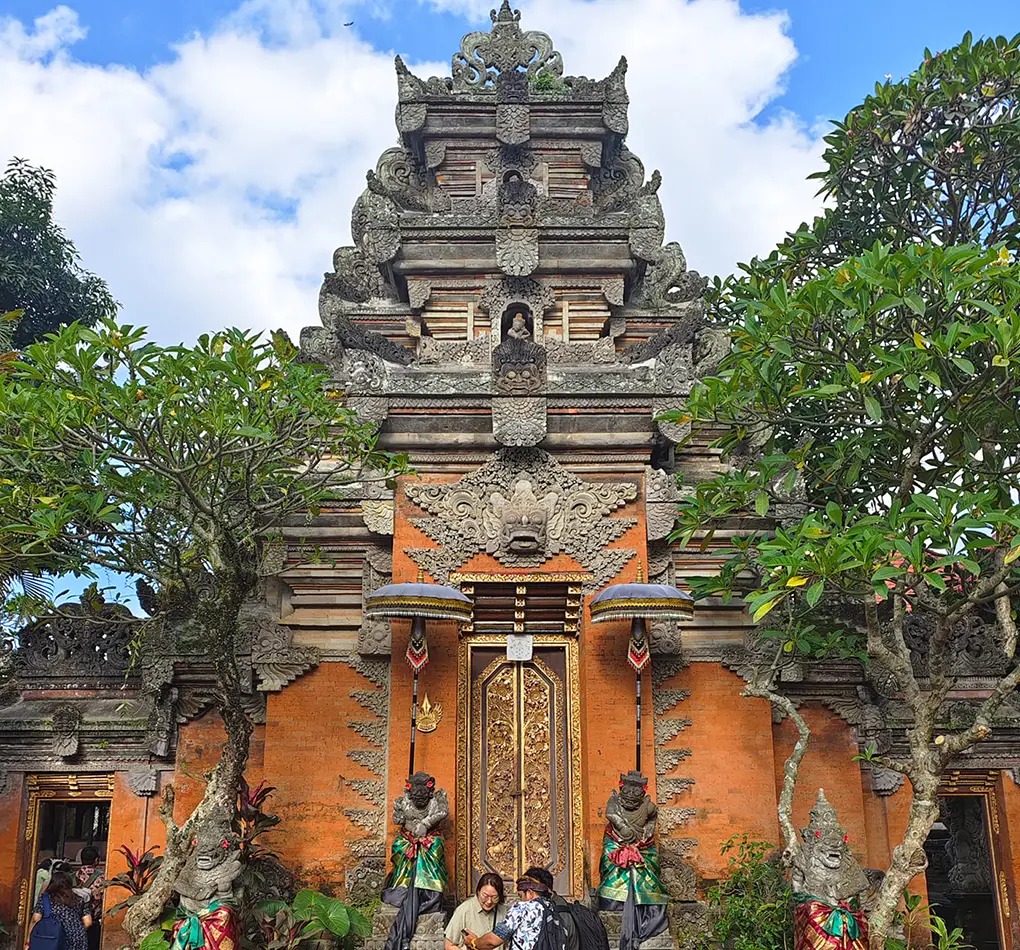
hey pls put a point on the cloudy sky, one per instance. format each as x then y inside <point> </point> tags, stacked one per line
<point>208,152</point>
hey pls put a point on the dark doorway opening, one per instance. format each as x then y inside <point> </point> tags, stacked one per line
<point>960,873</point>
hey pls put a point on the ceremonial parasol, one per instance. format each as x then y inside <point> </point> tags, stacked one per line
<point>418,602</point>
<point>636,602</point>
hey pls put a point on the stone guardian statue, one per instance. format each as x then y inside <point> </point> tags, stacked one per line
<point>418,877</point>
<point>631,880</point>
<point>206,889</point>
<point>829,886</point>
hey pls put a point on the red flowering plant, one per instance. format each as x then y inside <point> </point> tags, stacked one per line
<point>141,869</point>
<point>251,820</point>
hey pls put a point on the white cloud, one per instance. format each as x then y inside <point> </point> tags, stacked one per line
<point>172,181</point>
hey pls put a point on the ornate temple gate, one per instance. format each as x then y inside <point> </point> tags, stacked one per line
<point>520,761</point>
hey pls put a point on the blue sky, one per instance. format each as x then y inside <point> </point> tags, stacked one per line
<point>208,152</point>
<point>843,47</point>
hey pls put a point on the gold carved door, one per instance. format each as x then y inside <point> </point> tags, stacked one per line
<point>521,781</point>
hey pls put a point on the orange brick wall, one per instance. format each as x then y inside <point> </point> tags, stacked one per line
<point>11,831</point>
<point>731,763</point>
<point>828,764</point>
<point>134,822</point>
<point>307,736</point>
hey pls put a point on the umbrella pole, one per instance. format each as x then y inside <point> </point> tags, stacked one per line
<point>414,723</point>
<point>638,711</point>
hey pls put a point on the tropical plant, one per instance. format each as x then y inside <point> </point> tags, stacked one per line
<point>918,920</point>
<point>934,156</point>
<point>39,270</point>
<point>874,412</point>
<point>173,465</point>
<point>251,820</point>
<point>312,916</point>
<point>141,869</point>
<point>754,900</point>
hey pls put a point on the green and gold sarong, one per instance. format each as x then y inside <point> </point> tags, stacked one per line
<point>430,854</point>
<point>625,864</point>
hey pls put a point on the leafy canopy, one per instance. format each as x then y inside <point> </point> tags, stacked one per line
<point>934,157</point>
<point>39,269</point>
<point>168,462</point>
<point>872,410</point>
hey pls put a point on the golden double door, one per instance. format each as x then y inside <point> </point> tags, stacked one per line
<point>522,757</point>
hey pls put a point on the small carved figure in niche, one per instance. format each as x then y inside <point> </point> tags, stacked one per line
<point>828,886</point>
<point>517,324</point>
<point>416,882</point>
<point>206,889</point>
<point>513,177</point>
<point>631,879</point>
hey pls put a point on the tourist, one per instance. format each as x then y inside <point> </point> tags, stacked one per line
<point>89,885</point>
<point>42,877</point>
<point>531,923</point>
<point>68,908</point>
<point>479,914</point>
<point>561,905</point>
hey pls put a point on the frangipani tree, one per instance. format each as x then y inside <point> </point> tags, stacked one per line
<point>873,411</point>
<point>173,465</point>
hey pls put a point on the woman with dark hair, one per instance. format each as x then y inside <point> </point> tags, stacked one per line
<point>478,914</point>
<point>67,907</point>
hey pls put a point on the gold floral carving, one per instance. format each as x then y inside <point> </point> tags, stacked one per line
<point>530,698</point>
<point>23,903</point>
<point>1003,894</point>
<point>499,778</point>
<point>429,716</point>
<point>536,817</point>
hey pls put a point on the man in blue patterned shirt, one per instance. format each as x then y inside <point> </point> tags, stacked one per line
<point>531,923</point>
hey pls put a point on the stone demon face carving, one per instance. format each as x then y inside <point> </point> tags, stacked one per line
<point>523,518</point>
<point>825,841</point>
<point>420,788</point>
<point>633,790</point>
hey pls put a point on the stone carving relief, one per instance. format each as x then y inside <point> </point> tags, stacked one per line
<point>83,644</point>
<point>518,368</point>
<point>517,251</point>
<point>500,294</point>
<point>375,634</point>
<point>400,178</point>
<point>276,660</point>
<point>66,724</point>
<point>355,278</point>
<point>661,498</point>
<point>519,421</point>
<point>522,507</point>
<point>506,48</point>
<point>143,782</point>
<point>519,158</point>
<point>513,117</point>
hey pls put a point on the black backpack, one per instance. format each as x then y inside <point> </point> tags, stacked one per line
<point>48,933</point>
<point>591,932</point>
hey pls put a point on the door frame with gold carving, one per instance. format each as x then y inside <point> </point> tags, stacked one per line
<point>465,726</point>
<point>49,787</point>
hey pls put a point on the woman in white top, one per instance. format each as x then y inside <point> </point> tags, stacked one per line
<point>479,914</point>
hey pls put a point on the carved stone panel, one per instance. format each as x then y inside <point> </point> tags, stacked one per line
<point>517,251</point>
<point>522,507</point>
<point>519,421</point>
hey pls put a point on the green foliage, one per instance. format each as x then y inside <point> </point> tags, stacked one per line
<point>171,463</point>
<point>545,81</point>
<point>754,900</point>
<point>39,269</point>
<point>917,918</point>
<point>874,410</point>
<point>312,916</point>
<point>934,157</point>
<point>156,940</point>
<point>142,868</point>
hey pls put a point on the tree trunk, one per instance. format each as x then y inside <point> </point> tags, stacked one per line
<point>220,794</point>
<point>908,859</point>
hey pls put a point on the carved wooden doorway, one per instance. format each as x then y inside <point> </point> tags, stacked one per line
<point>519,782</point>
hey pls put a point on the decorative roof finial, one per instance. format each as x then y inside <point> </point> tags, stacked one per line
<point>505,15</point>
